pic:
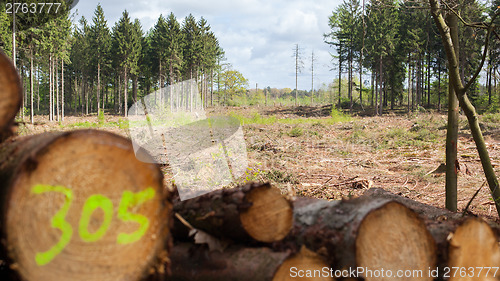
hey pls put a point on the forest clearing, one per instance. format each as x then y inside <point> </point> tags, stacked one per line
<point>305,151</point>
<point>135,147</point>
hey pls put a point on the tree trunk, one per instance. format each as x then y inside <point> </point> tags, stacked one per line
<point>296,73</point>
<point>409,84</point>
<point>373,87</point>
<point>340,75</point>
<point>439,84</point>
<point>98,87</point>
<point>350,77</point>
<point>10,96</point>
<point>243,264</point>
<point>58,113</point>
<point>119,93</point>
<point>377,90</point>
<point>31,85</point>
<point>380,86</point>
<point>62,90</point>
<point>52,185</point>
<point>365,232</point>
<point>452,129</point>
<point>134,88</point>
<point>86,91</point>
<point>254,212</point>
<point>125,94</point>
<point>428,79</point>
<point>51,98</point>
<point>488,79</point>
<point>38,88</point>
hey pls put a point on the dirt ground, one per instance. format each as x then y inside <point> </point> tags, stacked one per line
<point>316,157</point>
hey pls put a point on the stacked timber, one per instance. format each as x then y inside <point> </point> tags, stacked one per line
<point>377,236</point>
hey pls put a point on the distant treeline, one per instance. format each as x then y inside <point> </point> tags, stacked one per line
<point>398,45</point>
<point>89,66</point>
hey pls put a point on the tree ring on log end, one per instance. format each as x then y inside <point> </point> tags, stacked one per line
<point>473,246</point>
<point>270,218</point>
<point>82,207</point>
<point>394,238</point>
<point>310,264</point>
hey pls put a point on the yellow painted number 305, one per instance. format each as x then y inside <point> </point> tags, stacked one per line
<point>129,199</point>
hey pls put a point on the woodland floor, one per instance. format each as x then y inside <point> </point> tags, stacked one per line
<point>303,152</point>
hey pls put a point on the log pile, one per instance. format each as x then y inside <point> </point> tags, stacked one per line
<point>378,236</point>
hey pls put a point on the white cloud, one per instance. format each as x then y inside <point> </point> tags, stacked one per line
<point>258,36</point>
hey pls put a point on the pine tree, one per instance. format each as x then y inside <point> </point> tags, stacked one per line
<point>5,32</point>
<point>100,44</point>
<point>191,46</point>
<point>127,44</point>
<point>136,56</point>
<point>159,39</point>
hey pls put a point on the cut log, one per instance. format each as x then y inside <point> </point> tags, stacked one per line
<point>369,233</point>
<point>197,263</point>
<point>253,212</point>
<point>10,95</point>
<point>441,223</point>
<point>474,253</point>
<point>80,206</point>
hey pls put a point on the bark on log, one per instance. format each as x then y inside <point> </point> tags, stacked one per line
<point>196,263</point>
<point>462,242</point>
<point>253,212</point>
<point>80,206</point>
<point>364,232</point>
<point>10,96</point>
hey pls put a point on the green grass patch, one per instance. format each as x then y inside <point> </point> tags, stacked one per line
<point>83,125</point>
<point>296,132</point>
<point>256,118</point>
<point>491,118</point>
<point>280,177</point>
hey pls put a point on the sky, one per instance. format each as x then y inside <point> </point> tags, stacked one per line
<point>258,36</point>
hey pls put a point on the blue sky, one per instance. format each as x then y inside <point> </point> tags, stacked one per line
<point>258,36</point>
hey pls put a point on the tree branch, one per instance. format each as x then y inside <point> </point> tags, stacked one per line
<point>481,25</point>
<point>491,28</point>
<point>483,59</point>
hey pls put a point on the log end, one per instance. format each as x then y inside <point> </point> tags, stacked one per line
<point>10,95</point>
<point>270,218</point>
<point>82,207</point>
<point>304,265</point>
<point>474,245</point>
<point>394,238</point>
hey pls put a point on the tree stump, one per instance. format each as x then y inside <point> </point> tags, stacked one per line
<point>10,95</point>
<point>80,206</point>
